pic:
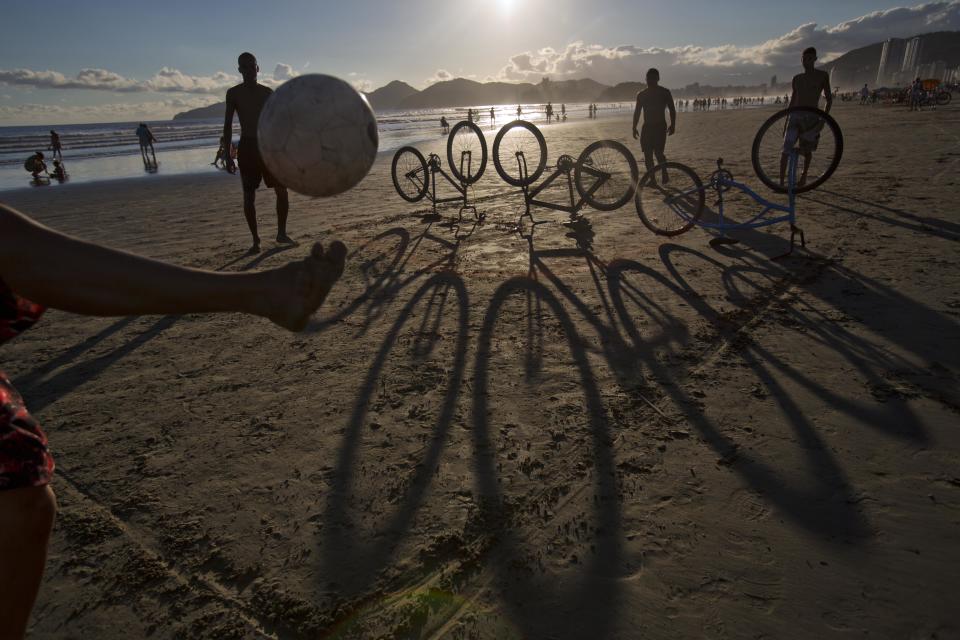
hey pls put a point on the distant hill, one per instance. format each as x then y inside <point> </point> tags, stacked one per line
<point>391,96</point>
<point>623,92</point>
<point>215,110</point>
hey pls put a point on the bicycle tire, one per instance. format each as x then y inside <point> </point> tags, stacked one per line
<point>541,163</point>
<point>415,156</point>
<point>629,181</point>
<point>455,166</point>
<point>646,185</point>
<point>944,98</point>
<point>774,185</point>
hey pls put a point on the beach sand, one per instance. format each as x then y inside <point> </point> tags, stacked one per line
<point>585,433</point>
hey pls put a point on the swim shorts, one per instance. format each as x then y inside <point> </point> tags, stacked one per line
<point>805,128</point>
<point>25,460</point>
<point>653,138</point>
<point>252,168</point>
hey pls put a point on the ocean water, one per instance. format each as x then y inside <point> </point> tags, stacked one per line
<point>110,151</point>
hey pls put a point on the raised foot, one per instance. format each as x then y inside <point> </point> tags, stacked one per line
<point>301,287</point>
<point>283,238</point>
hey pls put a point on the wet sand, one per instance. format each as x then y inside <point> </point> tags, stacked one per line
<point>586,432</point>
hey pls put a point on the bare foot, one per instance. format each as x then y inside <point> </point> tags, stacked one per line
<point>254,248</point>
<point>284,239</point>
<point>301,287</point>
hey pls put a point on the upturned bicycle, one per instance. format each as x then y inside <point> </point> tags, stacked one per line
<point>416,177</point>
<point>670,198</point>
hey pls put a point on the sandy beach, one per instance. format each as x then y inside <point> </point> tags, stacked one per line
<point>561,432</point>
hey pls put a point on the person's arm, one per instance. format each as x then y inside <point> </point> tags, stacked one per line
<point>827,93</point>
<point>673,115</point>
<point>228,122</point>
<point>636,116</point>
<point>67,273</point>
<point>793,92</point>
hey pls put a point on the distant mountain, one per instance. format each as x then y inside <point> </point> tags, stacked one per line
<point>461,92</point>
<point>215,110</point>
<point>390,96</point>
<point>859,66</point>
<point>623,92</point>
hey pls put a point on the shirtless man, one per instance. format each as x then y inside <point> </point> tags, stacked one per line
<point>805,127</point>
<point>247,99</point>
<point>652,101</point>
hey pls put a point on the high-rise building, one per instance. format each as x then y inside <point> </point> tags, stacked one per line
<point>911,57</point>
<point>891,58</point>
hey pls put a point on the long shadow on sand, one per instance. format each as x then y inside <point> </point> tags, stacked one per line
<point>41,389</point>
<point>352,563</point>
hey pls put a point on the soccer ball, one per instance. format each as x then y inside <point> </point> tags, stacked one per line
<point>317,135</point>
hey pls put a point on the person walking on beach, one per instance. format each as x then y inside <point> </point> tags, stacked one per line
<point>41,268</point>
<point>864,94</point>
<point>493,116</point>
<point>247,100</point>
<point>56,146</point>
<point>803,129</point>
<point>146,138</point>
<point>653,101</point>
<point>444,125</point>
<point>519,112</point>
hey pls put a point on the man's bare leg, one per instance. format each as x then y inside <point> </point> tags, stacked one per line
<point>283,207</point>
<point>250,213</point>
<point>26,519</point>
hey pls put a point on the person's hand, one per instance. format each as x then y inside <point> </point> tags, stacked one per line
<point>671,130</point>
<point>635,133</point>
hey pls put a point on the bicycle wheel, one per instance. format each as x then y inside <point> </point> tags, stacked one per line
<point>605,175</point>
<point>670,207</point>
<point>803,131</point>
<point>943,98</point>
<point>410,175</point>
<point>466,152</point>
<point>516,141</point>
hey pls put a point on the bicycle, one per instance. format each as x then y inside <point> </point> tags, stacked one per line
<point>604,175</point>
<point>676,204</point>
<point>415,177</point>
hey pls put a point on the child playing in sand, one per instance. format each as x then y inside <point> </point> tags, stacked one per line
<point>35,165</point>
<point>49,269</point>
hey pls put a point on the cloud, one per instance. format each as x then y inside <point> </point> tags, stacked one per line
<point>151,110</point>
<point>166,80</point>
<point>729,64</point>
<point>283,72</point>
<point>440,75</point>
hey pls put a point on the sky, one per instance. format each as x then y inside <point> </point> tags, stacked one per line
<point>99,61</point>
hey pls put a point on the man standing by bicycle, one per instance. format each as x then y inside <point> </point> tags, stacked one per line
<point>804,128</point>
<point>652,101</point>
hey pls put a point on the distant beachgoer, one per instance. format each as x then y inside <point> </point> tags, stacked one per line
<point>35,165</point>
<point>549,110</point>
<point>916,95</point>
<point>519,112</point>
<point>56,145</point>
<point>58,171</point>
<point>653,101</point>
<point>247,100</point>
<point>493,115</point>
<point>563,110</point>
<point>864,94</point>
<point>803,129</point>
<point>469,115</point>
<point>146,138</point>
<point>444,125</point>
<point>41,268</point>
